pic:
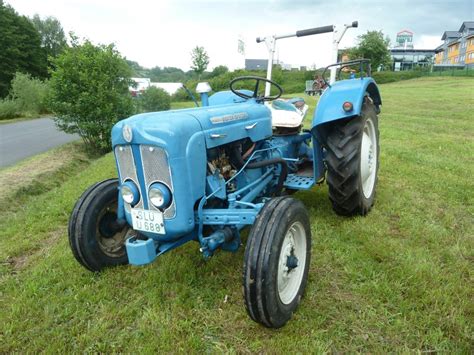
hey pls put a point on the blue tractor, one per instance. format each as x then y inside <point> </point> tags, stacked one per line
<point>203,174</point>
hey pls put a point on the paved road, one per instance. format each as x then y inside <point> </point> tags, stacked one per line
<point>23,139</point>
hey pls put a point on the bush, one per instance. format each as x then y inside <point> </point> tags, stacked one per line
<point>182,95</point>
<point>9,109</point>
<point>89,92</point>
<point>29,94</point>
<point>27,97</point>
<point>154,99</point>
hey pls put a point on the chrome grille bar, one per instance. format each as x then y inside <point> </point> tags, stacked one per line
<point>127,169</point>
<point>156,169</point>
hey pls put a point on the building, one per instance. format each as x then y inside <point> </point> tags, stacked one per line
<point>141,84</point>
<point>457,49</point>
<point>261,64</point>
<point>170,88</point>
<point>407,59</point>
<point>404,39</point>
<point>256,64</point>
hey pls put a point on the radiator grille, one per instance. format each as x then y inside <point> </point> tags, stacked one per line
<point>127,169</point>
<point>156,169</point>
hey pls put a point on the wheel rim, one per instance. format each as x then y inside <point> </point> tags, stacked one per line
<point>292,263</point>
<point>368,158</point>
<point>111,242</point>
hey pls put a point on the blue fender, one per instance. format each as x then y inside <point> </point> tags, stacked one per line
<point>353,90</point>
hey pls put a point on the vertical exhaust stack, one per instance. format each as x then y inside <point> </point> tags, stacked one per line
<point>204,89</point>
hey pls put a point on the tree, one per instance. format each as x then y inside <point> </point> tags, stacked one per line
<point>20,48</point>
<point>89,92</point>
<point>52,35</point>
<point>219,70</point>
<point>372,45</point>
<point>200,60</point>
<point>154,99</point>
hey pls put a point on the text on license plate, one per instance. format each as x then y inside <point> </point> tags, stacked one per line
<point>148,221</point>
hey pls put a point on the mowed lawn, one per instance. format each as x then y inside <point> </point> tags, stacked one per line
<point>399,279</point>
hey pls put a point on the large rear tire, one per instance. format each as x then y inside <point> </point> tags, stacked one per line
<point>352,161</point>
<point>276,263</point>
<point>95,240</point>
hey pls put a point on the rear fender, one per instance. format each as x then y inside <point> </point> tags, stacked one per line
<point>353,90</point>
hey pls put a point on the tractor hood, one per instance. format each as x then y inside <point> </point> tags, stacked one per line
<point>171,147</point>
<point>219,124</point>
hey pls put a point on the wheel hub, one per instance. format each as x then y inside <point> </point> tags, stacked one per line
<point>292,257</point>
<point>368,158</point>
<point>291,262</point>
<point>111,239</point>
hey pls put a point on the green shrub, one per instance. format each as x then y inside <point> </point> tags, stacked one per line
<point>182,95</point>
<point>154,99</point>
<point>89,92</point>
<point>29,94</point>
<point>8,109</point>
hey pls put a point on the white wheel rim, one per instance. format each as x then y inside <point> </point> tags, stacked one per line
<point>290,276</point>
<point>368,158</point>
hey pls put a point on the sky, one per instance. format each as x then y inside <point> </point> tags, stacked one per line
<point>163,32</point>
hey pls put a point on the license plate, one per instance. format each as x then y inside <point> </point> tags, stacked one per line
<point>148,221</point>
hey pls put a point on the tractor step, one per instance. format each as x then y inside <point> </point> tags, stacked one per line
<point>299,182</point>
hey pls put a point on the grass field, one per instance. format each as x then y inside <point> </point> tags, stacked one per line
<point>399,279</point>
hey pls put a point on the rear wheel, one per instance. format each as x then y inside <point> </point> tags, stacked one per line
<point>94,236</point>
<point>276,263</point>
<point>352,160</point>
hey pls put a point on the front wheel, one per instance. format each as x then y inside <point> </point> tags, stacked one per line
<point>96,239</point>
<point>352,160</point>
<point>276,262</point>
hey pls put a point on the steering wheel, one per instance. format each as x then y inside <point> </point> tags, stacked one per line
<point>255,95</point>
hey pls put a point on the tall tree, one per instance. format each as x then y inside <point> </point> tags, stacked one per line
<point>52,35</point>
<point>20,48</point>
<point>372,45</point>
<point>200,60</point>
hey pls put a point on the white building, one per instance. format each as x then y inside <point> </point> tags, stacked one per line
<point>141,84</point>
<point>170,88</point>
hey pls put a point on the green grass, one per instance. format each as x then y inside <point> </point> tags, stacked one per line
<point>397,280</point>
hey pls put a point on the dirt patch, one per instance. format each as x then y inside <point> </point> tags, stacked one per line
<point>19,263</point>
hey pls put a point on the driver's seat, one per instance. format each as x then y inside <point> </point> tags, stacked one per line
<point>288,113</point>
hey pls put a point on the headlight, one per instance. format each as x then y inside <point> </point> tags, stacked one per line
<point>130,193</point>
<point>127,133</point>
<point>159,195</point>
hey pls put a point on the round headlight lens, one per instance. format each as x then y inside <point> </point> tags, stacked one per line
<point>127,133</point>
<point>129,193</point>
<point>159,195</point>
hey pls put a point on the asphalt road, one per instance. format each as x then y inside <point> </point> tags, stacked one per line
<point>24,139</point>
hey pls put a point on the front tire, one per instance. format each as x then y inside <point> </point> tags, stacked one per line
<point>276,263</point>
<point>95,240</point>
<point>352,161</point>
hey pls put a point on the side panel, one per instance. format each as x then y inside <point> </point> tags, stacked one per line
<point>353,90</point>
<point>227,123</point>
